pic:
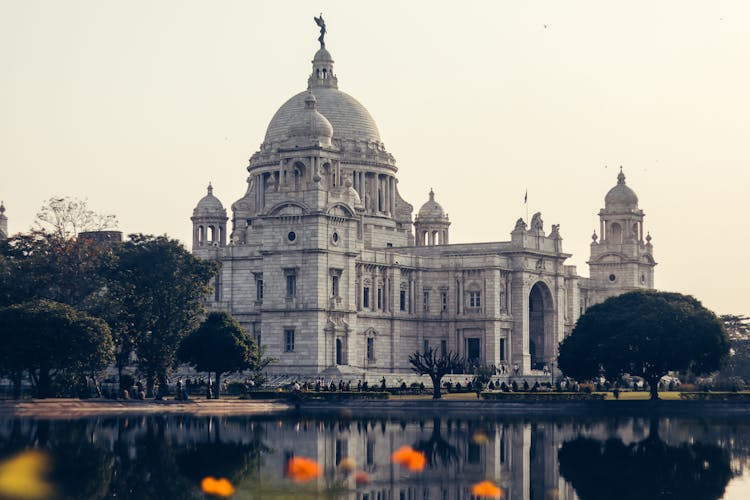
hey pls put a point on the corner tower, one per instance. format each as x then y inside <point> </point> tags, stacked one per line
<point>209,222</point>
<point>621,258</point>
<point>431,224</point>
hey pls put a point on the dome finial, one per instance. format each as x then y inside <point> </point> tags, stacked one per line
<point>432,195</point>
<point>621,177</point>
<point>210,188</point>
<point>2,207</point>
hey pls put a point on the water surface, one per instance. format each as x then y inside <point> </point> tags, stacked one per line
<point>166,457</point>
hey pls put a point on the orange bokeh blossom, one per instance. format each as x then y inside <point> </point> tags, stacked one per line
<point>217,487</point>
<point>408,457</point>
<point>301,469</point>
<point>487,490</point>
<point>362,478</point>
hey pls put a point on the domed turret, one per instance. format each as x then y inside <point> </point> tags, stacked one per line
<point>209,205</point>
<point>431,223</point>
<point>209,221</point>
<point>431,210</point>
<point>309,127</point>
<point>621,197</point>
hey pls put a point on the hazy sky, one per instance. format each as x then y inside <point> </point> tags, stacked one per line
<point>136,105</point>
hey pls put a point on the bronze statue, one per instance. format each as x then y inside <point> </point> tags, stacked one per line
<point>320,22</point>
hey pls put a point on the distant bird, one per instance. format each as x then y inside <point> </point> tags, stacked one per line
<point>545,26</point>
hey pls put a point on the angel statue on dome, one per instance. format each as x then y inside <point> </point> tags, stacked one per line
<point>320,22</point>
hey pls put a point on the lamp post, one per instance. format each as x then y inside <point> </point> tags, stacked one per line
<point>552,373</point>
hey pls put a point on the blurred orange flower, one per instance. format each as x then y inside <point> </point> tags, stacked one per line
<point>362,478</point>
<point>486,489</point>
<point>23,476</point>
<point>301,469</point>
<point>408,457</point>
<point>217,487</point>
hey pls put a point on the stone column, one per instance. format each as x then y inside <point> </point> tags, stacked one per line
<point>393,196</point>
<point>519,348</point>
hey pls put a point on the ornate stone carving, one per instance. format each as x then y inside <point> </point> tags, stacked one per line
<point>536,222</point>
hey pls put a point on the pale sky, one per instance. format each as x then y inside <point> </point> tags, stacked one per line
<point>138,105</point>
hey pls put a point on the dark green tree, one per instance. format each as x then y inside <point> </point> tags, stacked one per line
<point>647,334</point>
<point>46,339</point>
<point>158,287</point>
<point>736,372</point>
<point>44,266</point>
<point>219,345</point>
<point>435,365</point>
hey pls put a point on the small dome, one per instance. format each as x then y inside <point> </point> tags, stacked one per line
<point>322,55</point>
<point>621,196</point>
<point>209,206</point>
<point>431,210</point>
<point>309,126</point>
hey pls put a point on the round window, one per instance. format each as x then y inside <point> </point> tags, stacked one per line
<point>612,277</point>
<point>291,236</point>
<point>335,237</point>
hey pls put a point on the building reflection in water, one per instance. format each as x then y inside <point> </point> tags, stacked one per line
<point>150,457</point>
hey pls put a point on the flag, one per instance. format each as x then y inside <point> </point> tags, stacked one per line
<point>526,196</point>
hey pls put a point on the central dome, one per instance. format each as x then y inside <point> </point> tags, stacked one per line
<point>350,120</point>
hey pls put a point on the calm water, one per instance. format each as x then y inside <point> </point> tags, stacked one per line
<point>166,457</point>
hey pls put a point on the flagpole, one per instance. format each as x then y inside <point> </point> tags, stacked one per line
<point>526,203</point>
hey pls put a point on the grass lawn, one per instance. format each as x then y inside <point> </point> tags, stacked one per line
<point>642,396</point>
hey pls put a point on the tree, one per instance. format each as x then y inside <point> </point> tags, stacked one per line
<point>43,266</point>
<point>65,217</point>
<point>435,365</point>
<point>736,372</point>
<point>644,333</point>
<point>47,339</point>
<point>158,288</point>
<point>218,345</point>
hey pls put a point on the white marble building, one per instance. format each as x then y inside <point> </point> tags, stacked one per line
<point>325,264</point>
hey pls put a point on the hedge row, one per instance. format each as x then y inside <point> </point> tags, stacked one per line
<point>716,396</point>
<point>543,396</point>
<point>317,396</point>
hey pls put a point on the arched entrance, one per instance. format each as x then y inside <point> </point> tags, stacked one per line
<point>339,352</point>
<point>541,326</point>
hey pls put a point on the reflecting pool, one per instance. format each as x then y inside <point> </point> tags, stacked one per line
<point>167,457</point>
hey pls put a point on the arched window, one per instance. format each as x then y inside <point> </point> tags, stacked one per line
<point>201,235</point>
<point>211,233</point>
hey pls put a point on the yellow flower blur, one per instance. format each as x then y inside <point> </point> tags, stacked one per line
<point>22,476</point>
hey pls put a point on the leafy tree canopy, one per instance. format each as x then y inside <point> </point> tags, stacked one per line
<point>736,372</point>
<point>218,345</point>
<point>644,333</point>
<point>42,266</point>
<point>47,338</point>
<point>158,287</point>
